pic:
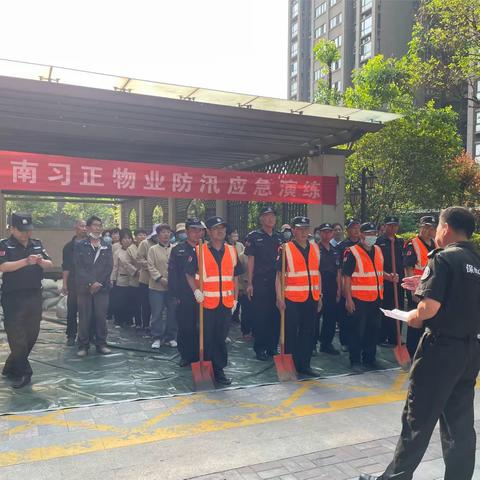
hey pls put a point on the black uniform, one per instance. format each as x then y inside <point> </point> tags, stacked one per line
<point>343,316</point>
<point>445,367</point>
<point>217,319</point>
<point>22,304</point>
<point>187,310</point>
<point>410,260</point>
<point>300,320</point>
<point>72,306</point>
<point>388,332</point>
<point>266,317</point>
<point>329,267</point>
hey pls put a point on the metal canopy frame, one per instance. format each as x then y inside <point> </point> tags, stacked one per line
<point>47,109</point>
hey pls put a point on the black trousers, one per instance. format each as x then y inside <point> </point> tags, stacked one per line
<point>329,309</point>
<point>121,307</point>
<point>266,317</point>
<point>364,330</point>
<point>215,327</point>
<point>92,308</point>
<point>135,306</point>
<point>413,334</point>
<point>246,314</point>
<point>300,320</point>
<point>344,320</point>
<point>23,314</point>
<point>388,332</point>
<point>72,310</point>
<point>187,321</point>
<point>442,383</point>
<point>145,305</point>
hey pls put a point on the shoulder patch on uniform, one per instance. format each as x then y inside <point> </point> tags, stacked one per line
<point>434,252</point>
<point>426,273</point>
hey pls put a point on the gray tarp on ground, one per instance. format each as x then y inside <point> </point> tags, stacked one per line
<point>132,372</point>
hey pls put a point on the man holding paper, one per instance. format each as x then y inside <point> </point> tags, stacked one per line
<point>447,361</point>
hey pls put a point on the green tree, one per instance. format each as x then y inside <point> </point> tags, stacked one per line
<point>326,53</point>
<point>444,54</point>
<point>412,161</point>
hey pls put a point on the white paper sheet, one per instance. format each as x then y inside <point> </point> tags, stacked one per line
<point>396,314</point>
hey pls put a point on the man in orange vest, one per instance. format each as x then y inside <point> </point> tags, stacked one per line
<point>415,261</point>
<point>363,289</point>
<point>219,295</point>
<point>303,297</point>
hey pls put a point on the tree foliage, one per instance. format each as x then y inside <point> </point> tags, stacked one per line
<point>326,54</point>
<point>467,173</point>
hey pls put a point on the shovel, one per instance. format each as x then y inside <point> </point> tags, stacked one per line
<point>400,351</point>
<point>286,370</point>
<point>202,371</point>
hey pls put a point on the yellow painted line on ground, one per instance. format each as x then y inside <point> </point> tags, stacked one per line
<point>144,434</point>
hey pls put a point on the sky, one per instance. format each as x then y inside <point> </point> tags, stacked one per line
<point>233,45</point>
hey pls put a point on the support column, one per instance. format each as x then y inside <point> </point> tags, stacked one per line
<point>221,209</point>
<point>3,216</point>
<point>141,213</point>
<point>171,213</point>
<point>330,165</point>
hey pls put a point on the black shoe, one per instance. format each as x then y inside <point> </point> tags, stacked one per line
<point>365,476</point>
<point>10,375</point>
<point>356,367</point>
<point>330,350</point>
<point>309,372</point>
<point>371,365</point>
<point>262,356</point>
<point>22,381</point>
<point>221,379</point>
<point>70,341</point>
<point>272,353</point>
<point>183,362</point>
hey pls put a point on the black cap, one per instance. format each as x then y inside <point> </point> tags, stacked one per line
<point>391,220</point>
<point>301,222</point>
<point>266,210</point>
<point>352,221</point>
<point>194,223</point>
<point>22,221</point>
<point>325,226</point>
<point>368,227</point>
<point>214,221</point>
<point>428,220</point>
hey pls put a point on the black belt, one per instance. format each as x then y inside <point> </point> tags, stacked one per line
<point>466,338</point>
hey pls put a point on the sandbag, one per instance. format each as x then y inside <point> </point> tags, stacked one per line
<point>50,303</point>
<point>50,294</point>
<point>49,284</point>
<point>61,308</point>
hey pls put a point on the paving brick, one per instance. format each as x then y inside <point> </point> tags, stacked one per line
<point>274,472</point>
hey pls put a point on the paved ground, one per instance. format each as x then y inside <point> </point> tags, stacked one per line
<point>329,429</point>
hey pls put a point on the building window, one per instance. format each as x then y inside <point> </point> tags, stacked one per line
<point>294,49</point>
<point>338,41</point>
<point>366,49</point>
<point>336,65</point>
<point>294,69</point>
<point>337,86</point>
<point>366,5</point>
<point>321,30</point>
<point>294,29</point>
<point>294,9</point>
<point>317,75</point>
<point>321,9</point>
<point>293,88</point>
<point>477,122</point>
<point>366,26</point>
<point>477,152</point>
<point>478,89</point>
<point>333,2</point>
<point>336,20</point>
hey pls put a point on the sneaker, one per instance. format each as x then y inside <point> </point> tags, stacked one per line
<point>171,343</point>
<point>82,353</point>
<point>104,350</point>
<point>156,344</point>
<point>228,340</point>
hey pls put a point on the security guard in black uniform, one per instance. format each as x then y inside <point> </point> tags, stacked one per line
<point>331,288</point>
<point>353,237</point>
<point>187,310</point>
<point>447,361</point>
<point>261,248</point>
<point>22,260</point>
<point>388,332</point>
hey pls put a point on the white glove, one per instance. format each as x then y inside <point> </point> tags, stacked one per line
<point>199,296</point>
<point>235,303</point>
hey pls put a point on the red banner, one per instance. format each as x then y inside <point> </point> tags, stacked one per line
<point>20,171</point>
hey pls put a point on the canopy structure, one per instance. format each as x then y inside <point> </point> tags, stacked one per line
<point>47,109</point>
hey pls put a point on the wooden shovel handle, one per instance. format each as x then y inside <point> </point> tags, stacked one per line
<point>395,289</point>
<point>282,312</point>
<point>200,274</point>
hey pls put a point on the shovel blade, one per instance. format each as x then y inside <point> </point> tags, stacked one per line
<point>202,373</point>
<point>286,370</point>
<point>402,356</point>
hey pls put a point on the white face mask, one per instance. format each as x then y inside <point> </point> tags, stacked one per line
<point>370,240</point>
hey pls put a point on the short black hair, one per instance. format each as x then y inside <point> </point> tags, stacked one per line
<point>163,226</point>
<point>317,229</point>
<point>115,230</point>
<point>460,219</point>
<point>139,231</point>
<point>337,225</point>
<point>125,232</point>
<point>92,219</point>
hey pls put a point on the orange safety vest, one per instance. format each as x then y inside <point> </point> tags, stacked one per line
<point>301,279</point>
<point>367,279</point>
<point>421,252</point>
<point>218,283</point>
